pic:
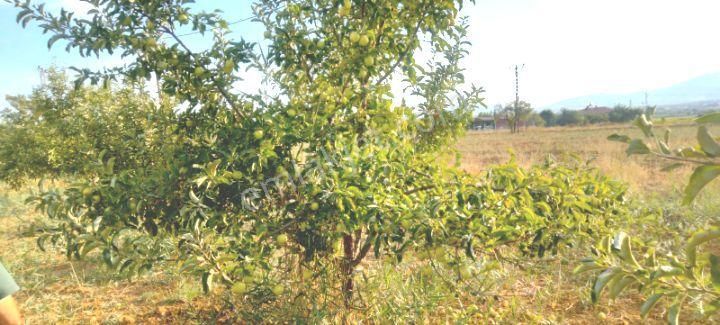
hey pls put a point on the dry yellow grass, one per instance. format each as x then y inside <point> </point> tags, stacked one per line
<point>481,149</point>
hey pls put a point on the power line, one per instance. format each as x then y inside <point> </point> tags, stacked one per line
<point>198,32</point>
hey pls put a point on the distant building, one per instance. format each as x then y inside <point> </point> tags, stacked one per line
<point>596,110</point>
<point>485,122</point>
<point>496,121</point>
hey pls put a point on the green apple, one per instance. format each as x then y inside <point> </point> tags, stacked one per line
<point>368,61</point>
<point>86,192</point>
<point>229,66</point>
<point>96,198</point>
<point>258,134</point>
<point>126,21</point>
<point>294,9</point>
<point>150,42</point>
<point>291,112</point>
<point>364,40</point>
<point>199,71</point>
<point>278,289</point>
<point>362,73</point>
<point>282,239</point>
<point>354,37</point>
<point>321,44</point>
<point>189,123</point>
<point>183,18</point>
<point>307,274</point>
<point>314,206</point>
<point>239,288</point>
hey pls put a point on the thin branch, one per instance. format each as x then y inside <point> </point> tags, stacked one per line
<point>404,54</point>
<point>222,90</point>
<point>687,160</point>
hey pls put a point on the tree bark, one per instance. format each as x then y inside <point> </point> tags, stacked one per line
<point>347,268</point>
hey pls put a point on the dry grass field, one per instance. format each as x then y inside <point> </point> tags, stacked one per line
<point>481,149</point>
<point>56,290</point>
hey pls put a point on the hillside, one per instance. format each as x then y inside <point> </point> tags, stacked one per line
<point>704,89</point>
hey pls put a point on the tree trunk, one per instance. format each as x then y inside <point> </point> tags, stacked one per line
<point>348,268</point>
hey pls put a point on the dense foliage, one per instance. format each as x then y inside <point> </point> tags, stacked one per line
<point>317,175</point>
<point>688,276</point>
<point>60,130</point>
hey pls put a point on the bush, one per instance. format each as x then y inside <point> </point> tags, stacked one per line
<point>623,114</point>
<point>568,117</point>
<point>549,117</point>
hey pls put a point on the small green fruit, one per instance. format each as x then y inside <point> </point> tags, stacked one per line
<point>282,239</point>
<point>314,206</point>
<point>307,274</point>
<point>341,228</point>
<point>189,123</point>
<point>258,134</point>
<point>278,289</point>
<point>96,198</point>
<point>321,44</point>
<point>199,71</point>
<point>363,73</point>
<point>183,18</point>
<point>369,61</point>
<point>239,288</point>
<point>291,112</point>
<point>354,37</point>
<point>229,66</point>
<point>602,316</point>
<point>86,192</point>
<point>364,40</point>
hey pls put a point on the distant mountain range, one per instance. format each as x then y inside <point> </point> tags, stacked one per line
<point>703,91</point>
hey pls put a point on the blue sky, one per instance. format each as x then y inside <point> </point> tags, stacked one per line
<point>569,47</point>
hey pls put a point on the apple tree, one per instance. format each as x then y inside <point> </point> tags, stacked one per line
<point>59,131</point>
<point>316,174</point>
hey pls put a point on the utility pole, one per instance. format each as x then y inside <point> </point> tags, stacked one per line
<point>516,119</point>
